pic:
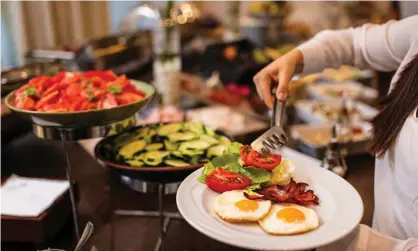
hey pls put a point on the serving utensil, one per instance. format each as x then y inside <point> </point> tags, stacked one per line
<point>275,137</point>
<point>88,231</point>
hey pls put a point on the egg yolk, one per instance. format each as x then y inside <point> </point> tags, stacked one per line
<point>290,215</point>
<point>246,205</point>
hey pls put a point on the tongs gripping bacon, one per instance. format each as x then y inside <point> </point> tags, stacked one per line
<point>290,193</point>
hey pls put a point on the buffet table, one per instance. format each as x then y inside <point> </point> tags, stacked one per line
<point>134,233</point>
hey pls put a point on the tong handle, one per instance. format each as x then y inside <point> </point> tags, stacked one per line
<point>278,110</point>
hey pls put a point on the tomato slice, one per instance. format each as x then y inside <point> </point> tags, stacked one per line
<point>221,180</point>
<point>108,102</point>
<point>73,90</point>
<point>26,103</point>
<point>244,151</point>
<point>47,99</point>
<point>128,97</point>
<point>131,88</point>
<point>55,108</point>
<point>268,162</point>
<point>104,75</point>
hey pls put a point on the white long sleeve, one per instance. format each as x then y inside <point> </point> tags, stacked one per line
<point>380,47</point>
<point>384,47</point>
<point>363,238</point>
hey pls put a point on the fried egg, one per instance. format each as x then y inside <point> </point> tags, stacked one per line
<point>233,206</point>
<point>286,219</point>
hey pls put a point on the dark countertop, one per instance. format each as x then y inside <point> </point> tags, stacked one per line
<point>22,157</point>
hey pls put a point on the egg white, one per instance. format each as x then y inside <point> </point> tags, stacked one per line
<point>226,209</point>
<point>273,225</point>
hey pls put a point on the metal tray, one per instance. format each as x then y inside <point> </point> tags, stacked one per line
<point>304,111</point>
<point>302,133</point>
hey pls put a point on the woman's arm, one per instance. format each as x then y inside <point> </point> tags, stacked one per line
<point>381,47</point>
<point>364,238</point>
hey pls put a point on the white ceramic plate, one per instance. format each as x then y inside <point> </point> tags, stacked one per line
<point>357,90</point>
<point>340,210</point>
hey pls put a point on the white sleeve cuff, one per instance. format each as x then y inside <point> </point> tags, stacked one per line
<point>314,59</point>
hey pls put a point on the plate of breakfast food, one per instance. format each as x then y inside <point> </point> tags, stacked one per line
<point>281,201</point>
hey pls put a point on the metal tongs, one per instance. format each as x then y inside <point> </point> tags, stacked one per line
<point>275,137</point>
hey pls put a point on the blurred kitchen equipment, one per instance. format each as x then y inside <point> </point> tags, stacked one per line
<point>275,136</point>
<point>334,158</point>
<point>13,78</point>
<point>123,53</point>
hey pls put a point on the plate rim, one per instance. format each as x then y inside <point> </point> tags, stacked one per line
<point>192,179</point>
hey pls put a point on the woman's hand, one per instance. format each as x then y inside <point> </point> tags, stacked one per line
<point>279,71</point>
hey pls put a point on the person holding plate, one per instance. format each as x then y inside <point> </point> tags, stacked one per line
<point>387,47</point>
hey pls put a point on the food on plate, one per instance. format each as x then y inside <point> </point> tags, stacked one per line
<point>174,144</point>
<point>290,193</point>
<point>249,157</point>
<point>74,91</point>
<point>331,111</point>
<point>221,180</point>
<point>232,206</point>
<point>286,219</point>
<point>344,72</point>
<point>239,160</point>
<point>256,188</point>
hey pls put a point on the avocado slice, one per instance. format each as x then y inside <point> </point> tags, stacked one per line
<point>154,147</point>
<point>176,163</point>
<point>211,140</point>
<point>165,130</point>
<point>170,146</point>
<point>178,136</point>
<point>130,149</point>
<point>216,151</point>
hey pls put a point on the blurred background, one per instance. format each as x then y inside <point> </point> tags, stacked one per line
<point>201,57</point>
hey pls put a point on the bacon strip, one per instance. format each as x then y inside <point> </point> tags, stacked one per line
<point>291,193</point>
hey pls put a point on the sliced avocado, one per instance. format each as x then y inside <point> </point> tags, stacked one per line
<point>154,147</point>
<point>216,151</point>
<point>195,127</point>
<point>156,154</point>
<point>130,149</point>
<point>192,152</point>
<point>154,158</point>
<point>176,163</point>
<point>135,162</point>
<point>211,140</point>
<point>151,133</point>
<point>224,141</point>
<point>153,162</point>
<point>177,154</point>
<point>165,130</point>
<point>195,159</point>
<point>141,132</point>
<point>210,131</point>
<point>170,146</point>
<point>141,157</point>
<point>178,136</point>
<point>194,145</point>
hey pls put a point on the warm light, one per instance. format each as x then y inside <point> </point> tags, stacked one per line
<point>290,215</point>
<point>181,19</point>
<point>188,13</point>
<point>185,7</point>
<point>247,205</point>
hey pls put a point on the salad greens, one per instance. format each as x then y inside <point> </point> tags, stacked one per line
<point>231,160</point>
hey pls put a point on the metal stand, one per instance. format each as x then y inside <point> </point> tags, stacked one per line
<point>67,135</point>
<point>70,180</point>
<point>165,217</point>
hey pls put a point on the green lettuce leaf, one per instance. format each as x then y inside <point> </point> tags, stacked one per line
<point>233,148</point>
<point>226,161</point>
<point>257,175</point>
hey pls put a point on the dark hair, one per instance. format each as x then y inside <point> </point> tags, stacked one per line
<point>397,106</point>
